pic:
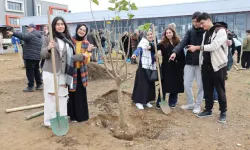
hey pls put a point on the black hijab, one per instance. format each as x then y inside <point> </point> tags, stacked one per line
<point>79,38</point>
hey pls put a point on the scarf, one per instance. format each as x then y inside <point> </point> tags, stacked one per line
<point>77,37</point>
<point>83,68</point>
<point>146,58</point>
<point>70,69</point>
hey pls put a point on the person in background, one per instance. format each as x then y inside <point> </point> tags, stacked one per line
<point>126,41</point>
<point>134,43</point>
<point>172,25</point>
<point>213,59</point>
<point>192,68</point>
<point>238,47</point>
<point>172,71</point>
<point>78,103</point>
<point>31,54</point>
<point>15,42</point>
<point>103,44</point>
<point>245,60</point>
<point>45,35</point>
<point>1,44</point>
<point>91,39</point>
<point>144,90</point>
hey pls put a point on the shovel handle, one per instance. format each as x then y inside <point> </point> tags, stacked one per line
<point>157,61</point>
<point>53,64</point>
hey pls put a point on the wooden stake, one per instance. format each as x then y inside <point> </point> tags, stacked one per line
<point>24,108</point>
<point>39,113</point>
<point>6,59</point>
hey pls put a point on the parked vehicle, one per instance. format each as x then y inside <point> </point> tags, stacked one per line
<point>6,37</point>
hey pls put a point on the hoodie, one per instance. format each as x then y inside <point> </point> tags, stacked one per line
<point>32,44</point>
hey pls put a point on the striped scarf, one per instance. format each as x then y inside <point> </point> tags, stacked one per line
<point>83,68</point>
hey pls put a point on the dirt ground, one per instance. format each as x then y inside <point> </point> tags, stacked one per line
<point>181,130</point>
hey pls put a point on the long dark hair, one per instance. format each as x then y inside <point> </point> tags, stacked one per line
<point>66,31</point>
<point>175,38</point>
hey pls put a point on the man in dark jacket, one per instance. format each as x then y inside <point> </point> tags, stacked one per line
<point>31,55</point>
<point>192,69</point>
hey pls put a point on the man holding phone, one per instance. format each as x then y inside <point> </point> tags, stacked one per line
<point>192,69</point>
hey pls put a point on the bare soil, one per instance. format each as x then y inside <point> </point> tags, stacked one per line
<point>149,129</point>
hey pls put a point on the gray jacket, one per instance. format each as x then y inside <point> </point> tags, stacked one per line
<point>60,61</point>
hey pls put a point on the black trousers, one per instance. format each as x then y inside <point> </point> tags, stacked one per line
<point>33,72</point>
<point>245,60</point>
<point>213,80</point>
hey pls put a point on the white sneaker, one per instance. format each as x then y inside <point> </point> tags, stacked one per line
<point>149,105</point>
<point>139,106</point>
<point>197,109</point>
<point>187,107</point>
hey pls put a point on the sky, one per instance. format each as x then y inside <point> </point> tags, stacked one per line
<point>83,5</point>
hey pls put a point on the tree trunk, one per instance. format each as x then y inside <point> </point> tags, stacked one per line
<point>120,102</point>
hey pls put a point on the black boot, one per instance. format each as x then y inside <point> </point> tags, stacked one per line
<point>223,117</point>
<point>29,89</point>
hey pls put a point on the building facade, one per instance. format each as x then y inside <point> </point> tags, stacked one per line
<point>236,13</point>
<point>13,10</point>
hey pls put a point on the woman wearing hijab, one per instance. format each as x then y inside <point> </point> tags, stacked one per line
<point>64,60</point>
<point>78,104</point>
<point>144,90</point>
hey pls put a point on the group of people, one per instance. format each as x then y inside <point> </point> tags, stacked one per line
<point>202,55</point>
<point>72,54</point>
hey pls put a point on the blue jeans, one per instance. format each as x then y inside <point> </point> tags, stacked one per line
<point>172,99</point>
<point>100,54</point>
<point>15,48</point>
<point>215,96</point>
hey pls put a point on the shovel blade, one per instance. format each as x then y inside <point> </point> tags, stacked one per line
<point>165,107</point>
<point>60,125</point>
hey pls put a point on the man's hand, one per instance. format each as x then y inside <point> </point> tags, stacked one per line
<point>193,48</point>
<point>172,57</point>
<point>10,33</point>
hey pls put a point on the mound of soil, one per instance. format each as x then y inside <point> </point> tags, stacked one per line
<point>97,72</point>
<point>136,124</point>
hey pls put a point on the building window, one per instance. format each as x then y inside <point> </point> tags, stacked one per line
<point>13,21</point>
<point>57,10</point>
<point>39,10</point>
<point>14,6</point>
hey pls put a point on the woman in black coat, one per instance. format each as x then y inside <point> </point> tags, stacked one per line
<point>172,71</point>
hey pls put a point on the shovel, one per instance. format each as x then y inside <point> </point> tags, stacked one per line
<point>163,104</point>
<point>60,124</point>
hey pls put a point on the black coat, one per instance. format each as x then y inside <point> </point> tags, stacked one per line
<point>192,37</point>
<point>172,71</point>
<point>32,44</point>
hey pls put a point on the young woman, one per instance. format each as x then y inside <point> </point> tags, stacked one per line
<point>78,104</point>
<point>172,71</point>
<point>144,90</point>
<point>64,58</point>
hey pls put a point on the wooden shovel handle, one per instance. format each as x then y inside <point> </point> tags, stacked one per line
<point>53,64</point>
<point>157,61</point>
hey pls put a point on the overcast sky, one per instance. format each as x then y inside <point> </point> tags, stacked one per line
<point>83,5</point>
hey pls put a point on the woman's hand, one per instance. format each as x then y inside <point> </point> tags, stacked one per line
<point>91,47</point>
<point>51,45</point>
<point>133,56</point>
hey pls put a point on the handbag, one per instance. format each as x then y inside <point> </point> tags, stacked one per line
<point>152,75</point>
